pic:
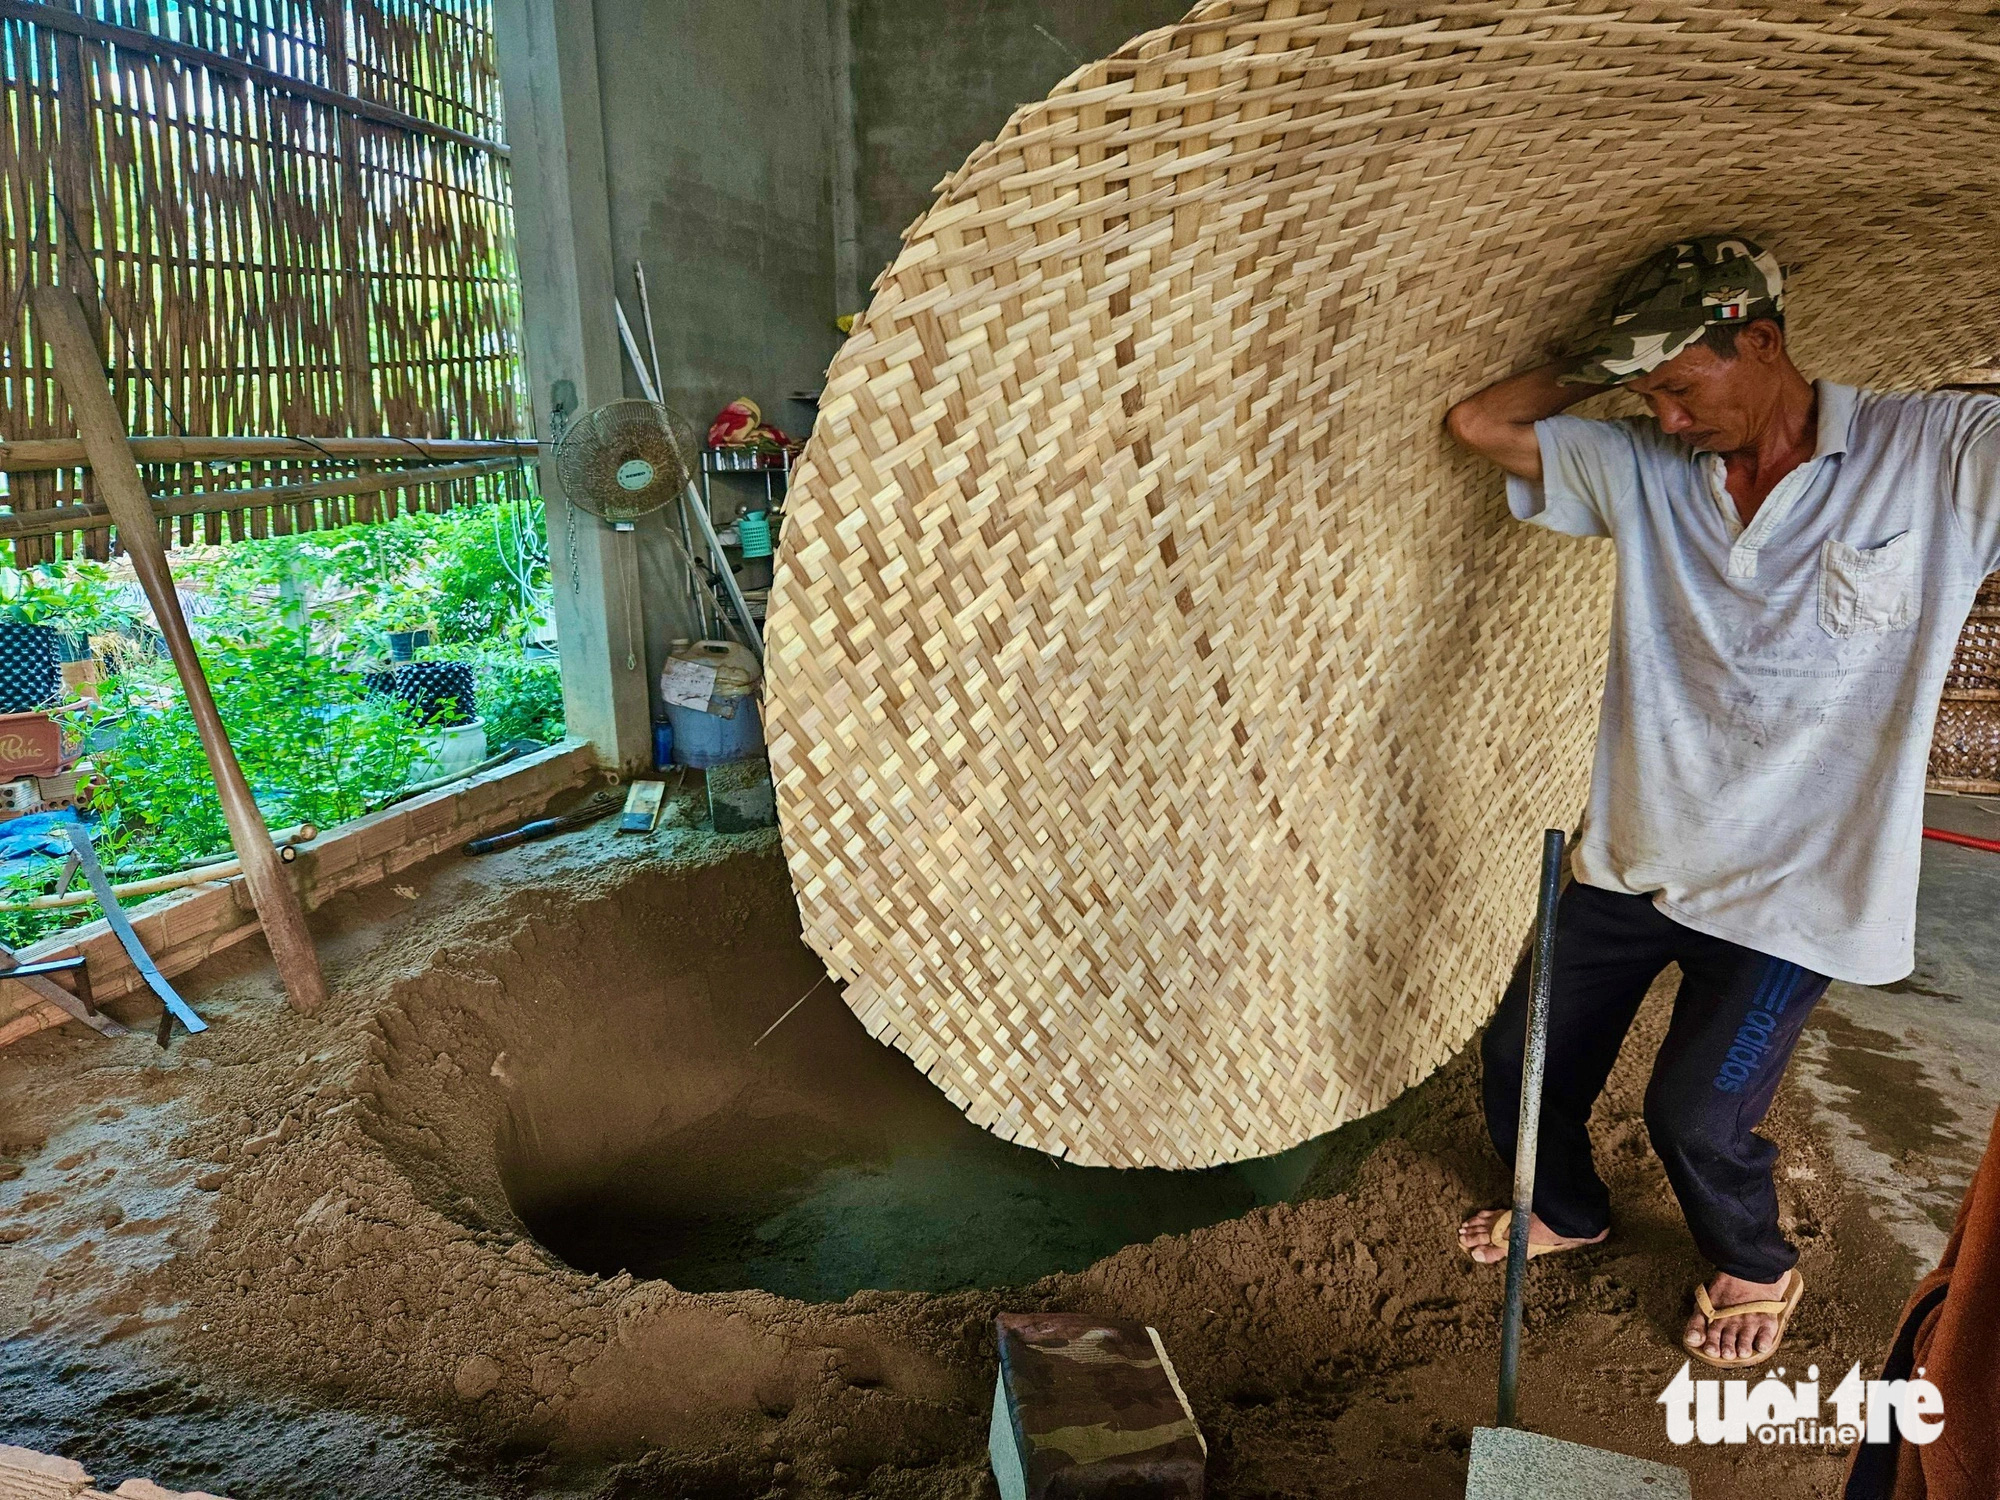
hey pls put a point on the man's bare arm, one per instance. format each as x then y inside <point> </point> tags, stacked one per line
<point>1499,422</point>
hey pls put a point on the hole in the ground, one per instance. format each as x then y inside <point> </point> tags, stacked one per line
<point>653,1137</point>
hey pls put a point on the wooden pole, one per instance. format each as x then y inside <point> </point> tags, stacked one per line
<point>28,454</point>
<point>54,518</point>
<point>80,368</point>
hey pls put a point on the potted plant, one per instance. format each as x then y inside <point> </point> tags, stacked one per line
<point>400,619</point>
<point>30,646</point>
<point>404,644</point>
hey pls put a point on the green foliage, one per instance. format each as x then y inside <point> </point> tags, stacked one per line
<point>20,928</point>
<point>477,574</point>
<point>313,747</point>
<point>284,626</point>
<point>79,600</point>
<point>519,699</point>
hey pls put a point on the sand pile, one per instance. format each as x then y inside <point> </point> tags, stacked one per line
<point>312,1216</point>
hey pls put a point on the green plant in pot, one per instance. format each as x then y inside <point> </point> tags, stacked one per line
<point>405,644</point>
<point>31,642</point>
<point>395,625</point>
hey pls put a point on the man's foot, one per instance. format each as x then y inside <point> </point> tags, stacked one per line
<point>1747,1335</point>
<point>1475,1237</point>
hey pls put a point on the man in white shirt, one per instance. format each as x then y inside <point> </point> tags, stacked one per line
<point>1795,561</point>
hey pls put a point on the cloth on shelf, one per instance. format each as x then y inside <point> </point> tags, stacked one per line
<point>741,424</point>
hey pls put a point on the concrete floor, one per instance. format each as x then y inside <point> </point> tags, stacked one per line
<point>1907,1076</point>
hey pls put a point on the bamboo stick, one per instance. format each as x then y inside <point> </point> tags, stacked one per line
<point>79,365</point>
<point>152,885</point>
<point>282,839</point>
<point>68,453</point>
<point>202,872</point>
<point>54,518</point>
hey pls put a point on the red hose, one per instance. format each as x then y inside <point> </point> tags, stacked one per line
<point>1946,836</point>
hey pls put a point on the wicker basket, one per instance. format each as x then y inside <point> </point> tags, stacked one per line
<point>1164,714</point>
<point>1965,747</point>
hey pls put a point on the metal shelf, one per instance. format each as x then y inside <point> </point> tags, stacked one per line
<point>774,467</point>
<point>746,460</point>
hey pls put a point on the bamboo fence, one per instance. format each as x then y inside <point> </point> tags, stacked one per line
<point>289,218</point>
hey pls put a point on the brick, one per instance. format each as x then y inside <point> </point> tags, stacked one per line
<point>199,914</point>
<point>331,857</point>
<point>26,1024</point>
<point>430,816</point>
<point>145,1489</point>
<point>381,833</point>
<point>480,798</point>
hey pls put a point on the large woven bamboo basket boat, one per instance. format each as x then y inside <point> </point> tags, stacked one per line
<point>1164,715</point>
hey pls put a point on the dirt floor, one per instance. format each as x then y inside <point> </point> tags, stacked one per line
<point>289,1258</point>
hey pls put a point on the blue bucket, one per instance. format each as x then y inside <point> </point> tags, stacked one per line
<point>703,739</point>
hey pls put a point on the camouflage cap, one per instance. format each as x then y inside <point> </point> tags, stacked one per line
<point>1670,299</point>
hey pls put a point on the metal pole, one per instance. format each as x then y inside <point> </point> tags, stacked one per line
<point>625,336</point>
<point>752,636</point>
<point>652,341</point>
<point>711,619</point>
<point>690,576</point>
<point>1529,1130</point>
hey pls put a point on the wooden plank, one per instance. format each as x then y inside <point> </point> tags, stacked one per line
<point>80,366</point>
<point>51,993</point>
<point>643,805</point>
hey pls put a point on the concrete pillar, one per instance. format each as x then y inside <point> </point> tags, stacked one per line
<point>555,126</point>
<point>847,296</point>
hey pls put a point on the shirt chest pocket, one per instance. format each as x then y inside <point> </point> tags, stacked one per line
<point>1866,589</point>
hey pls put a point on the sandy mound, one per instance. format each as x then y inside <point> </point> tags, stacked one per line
<point>294,1234</point>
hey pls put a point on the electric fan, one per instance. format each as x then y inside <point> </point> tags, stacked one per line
<point>626,459</point>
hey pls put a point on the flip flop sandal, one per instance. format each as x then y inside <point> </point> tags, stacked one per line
<point>1496,1236</point>
<point>1782,1308</point>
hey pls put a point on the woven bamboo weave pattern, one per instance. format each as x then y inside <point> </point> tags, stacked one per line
<point>1163,714</point>
<point>1965,745</point>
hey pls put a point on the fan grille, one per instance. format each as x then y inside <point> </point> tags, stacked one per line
<point>625,459</point>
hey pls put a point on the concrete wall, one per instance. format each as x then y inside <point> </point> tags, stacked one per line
<point>718,162</point>
<point>761,159</point>
<point>931,81</point>
<point>718,153</point>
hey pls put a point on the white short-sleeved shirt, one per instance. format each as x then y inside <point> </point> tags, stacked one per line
<point>1772,688</point>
